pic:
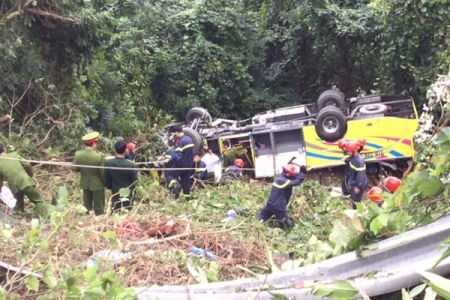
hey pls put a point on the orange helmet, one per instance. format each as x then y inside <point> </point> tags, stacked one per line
<point>392,183</point>
<point>351,146</point>
<point>361,142</point>
<point>342,144</point>
<point>290,170</point>
<point>376,194</point>
<point>131,146</point>
<point>239,162</point>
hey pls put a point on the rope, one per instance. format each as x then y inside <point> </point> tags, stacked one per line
<point>68,164</point>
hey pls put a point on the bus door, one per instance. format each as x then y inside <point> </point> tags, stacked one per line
<point>288,143</point>
<point>244,145</point>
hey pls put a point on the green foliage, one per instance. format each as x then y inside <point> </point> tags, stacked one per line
<point>438,284</point>
<point>446,254</point>
<point>340,289</point>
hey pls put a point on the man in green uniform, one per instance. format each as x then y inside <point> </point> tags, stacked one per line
<point>92,180</point>
<point>230,154</point>
<point>118,179</point>
<point>19,176</point>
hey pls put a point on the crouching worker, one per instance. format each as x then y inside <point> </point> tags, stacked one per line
<point>233,172</point>
<point>19,176</point>
<point>280,194</point>
<point>376,193</point>
<point>200,172</point>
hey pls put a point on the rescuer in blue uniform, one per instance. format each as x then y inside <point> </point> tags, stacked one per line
<point>357,180</point>
<point>183,158</point>
<point>200,172</point>
<point>170,175</point>
<point>233,172</point>
<point>280,194</point>
<point>344,186</point>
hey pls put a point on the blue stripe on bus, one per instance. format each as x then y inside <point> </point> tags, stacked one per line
<point>374,145</point>
<point>322,156</point>
<point>395,153</point>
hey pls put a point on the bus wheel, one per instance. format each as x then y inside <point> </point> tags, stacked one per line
<point>330,124</point>
<point>195,137</point>
<point>198,113</point>
<point>330,98</point>
<point>371,109</point>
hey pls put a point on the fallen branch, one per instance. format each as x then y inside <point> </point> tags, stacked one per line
<point>48,14</point>
<point>154,241</point>
<point>186,233</point>
<point>17,12</point>
<point>16,269</point>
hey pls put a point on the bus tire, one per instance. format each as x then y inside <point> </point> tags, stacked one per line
<point>195,137</point>
<point>330,98</point>
<point>372,109</point>
<point>331,125</point>
<point>198,112</point>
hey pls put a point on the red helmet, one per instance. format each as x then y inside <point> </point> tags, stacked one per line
<point>290,170</point>
<point>239,162</point>
<point>376,195</point>
<point>392,183</point>
<point>352,146</point>
<point>361,142</point>
<point>342,144</point>
<point>131,146</point>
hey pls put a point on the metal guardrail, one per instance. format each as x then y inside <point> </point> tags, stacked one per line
<point>395,264</point>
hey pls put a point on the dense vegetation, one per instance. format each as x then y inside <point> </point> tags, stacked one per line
<point>123,67</point>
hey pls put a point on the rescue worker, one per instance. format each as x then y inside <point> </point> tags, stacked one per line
<point>361,143</point>
<point>200,172</point>
<point>211,160</point>
<point>170,175</point>
<point>233,172</point>
<point>280,194</point>
<point>230,154</point>
<point>92,180</point>
<point>376,195</point>
<point>19,176</point>
<point>131,152</point>
<point>183,159</point>
<point>392,184</point>
<point>357,180</point>
<point>118,179</point>
<point>344,185</point>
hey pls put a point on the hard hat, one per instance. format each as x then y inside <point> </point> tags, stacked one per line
<point>376,194</point>
<point>392,183</point>
<point>352,146</point>
<point>361,142</point>
<point>342,144</point>
<point>290,170</point>
<point>131,146</point>
<point>239,162</point>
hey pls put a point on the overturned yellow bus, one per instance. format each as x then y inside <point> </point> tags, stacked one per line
<point>311,132</point>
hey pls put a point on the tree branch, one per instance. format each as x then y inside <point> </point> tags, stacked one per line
<point>48,14</point>
<point>17,12</point>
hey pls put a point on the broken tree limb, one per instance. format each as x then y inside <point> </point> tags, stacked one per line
<point>186,233</point>
<point>16,269</point>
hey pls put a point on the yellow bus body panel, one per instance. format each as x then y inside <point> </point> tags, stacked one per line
<point>387,138</point>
